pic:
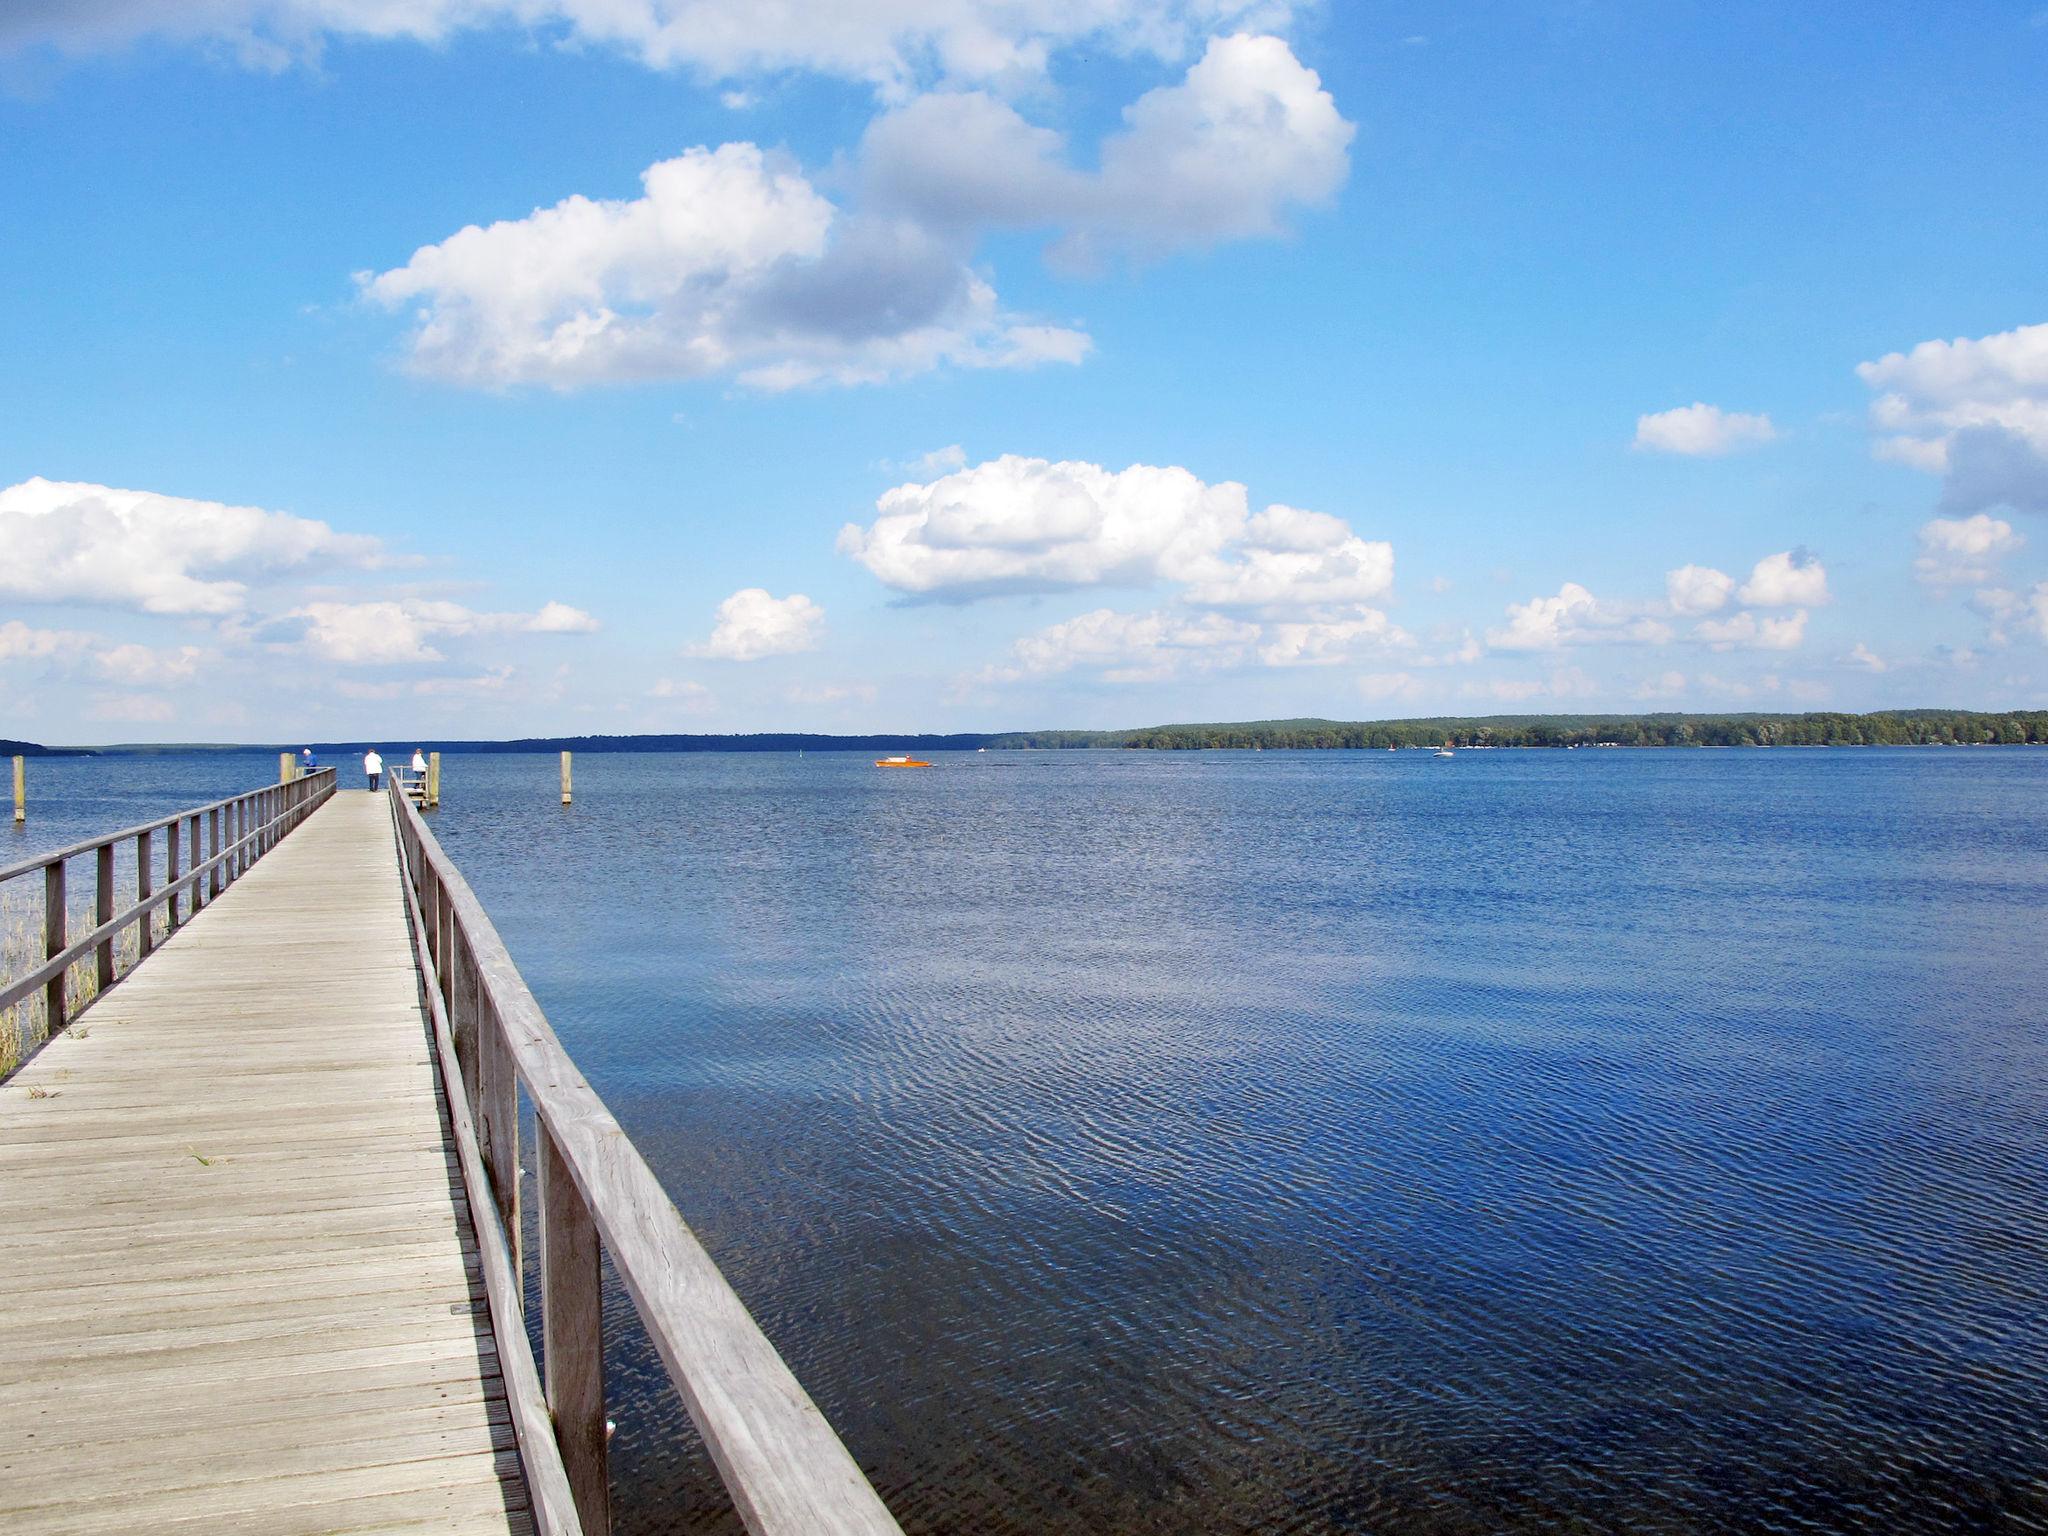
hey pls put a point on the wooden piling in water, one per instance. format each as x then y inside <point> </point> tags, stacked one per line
<point>434,779</point>
<point>287,767</point>
<point>565,778</point>
<point>20,790</point>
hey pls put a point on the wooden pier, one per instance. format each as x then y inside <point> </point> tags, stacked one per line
<point>261,1269</point>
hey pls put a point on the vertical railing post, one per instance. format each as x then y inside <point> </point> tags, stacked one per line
<point>457,975</point>
<point>53,943</point>
<point>145,886</point>
<point>572,1334</point>
<point>498,1119</point>
<point>213,837</point>
<point>198,858</point>
<point>172,849</point>
<point>103,913</point>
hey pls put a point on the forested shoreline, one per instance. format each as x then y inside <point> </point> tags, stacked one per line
<point>1886,728</point>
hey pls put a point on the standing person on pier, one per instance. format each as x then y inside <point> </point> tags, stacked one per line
<point>419,762</point>
<point>373,766</point>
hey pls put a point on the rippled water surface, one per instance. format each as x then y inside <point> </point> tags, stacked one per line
<point>1147,1143</point>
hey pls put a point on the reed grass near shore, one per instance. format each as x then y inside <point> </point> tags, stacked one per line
<point>26,1025</point>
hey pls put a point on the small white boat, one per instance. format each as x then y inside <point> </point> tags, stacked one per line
<point>1445,750</point>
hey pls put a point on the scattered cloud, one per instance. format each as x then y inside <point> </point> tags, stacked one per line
<point>1753,632</point>
<point>1029,525</point>
<point>1383,686</point>
<point>1861,655</point>
<point>892,47</point>
<point>691,698</point>
<point>831,693</point>
<point>730,262</point>
<point>20,642</point>
<point>1697,589</point>
<point>561,619</point>
<point>1702,431</point>
<point>84,654</point>
<point>1964,551</point>
<point>1131,647</point>
<point>1574,617</point>
<point>138,666</point>
<point>80,543</point>
<point>405,631</point>
<point>1792,578</point>
<point>139,708</point>
<point>1973,410</point>
<point>752,624</point>
<point>1248,134</point>
<point>2013,613</point>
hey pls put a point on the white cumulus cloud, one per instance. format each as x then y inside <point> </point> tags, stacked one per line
<point>752,624</point>
<point>1974,409</point>
<point>81,543</point>
<point>730,262</point>
<point>1574,616</point>
<point>1247,135</point>
<point>1791,578</point>
<point>1017,524</point>
<point>1964,551</point>
<point>1750,631</point>
<point>1697,589</point>
<point>1702,431</point>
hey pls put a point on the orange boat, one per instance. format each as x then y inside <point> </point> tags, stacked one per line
<point>900,762</point>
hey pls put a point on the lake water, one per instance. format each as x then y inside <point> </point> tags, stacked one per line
<point>1147,1143</point>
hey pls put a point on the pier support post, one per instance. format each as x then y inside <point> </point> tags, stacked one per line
<point>565,778</point>
<point>287,767</point>
<point>20,791</point>
<point>434,779</point>
<point>572,1334</point>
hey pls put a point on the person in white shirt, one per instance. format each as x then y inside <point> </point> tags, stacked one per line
<point>419,761</point>
<point>373,766</point>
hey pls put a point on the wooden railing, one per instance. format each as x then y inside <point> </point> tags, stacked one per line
<point>785,1469</point>
<point>207,849</point>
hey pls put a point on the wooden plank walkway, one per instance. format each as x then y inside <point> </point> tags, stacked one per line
<point>238,1289</point>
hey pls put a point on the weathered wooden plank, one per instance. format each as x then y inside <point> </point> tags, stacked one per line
<point>239,1288</point>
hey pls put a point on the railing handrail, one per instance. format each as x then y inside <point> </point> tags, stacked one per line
<point>34,862</point>
<point>282,806</point>
<point>785,1468</point>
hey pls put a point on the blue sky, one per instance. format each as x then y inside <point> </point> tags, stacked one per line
<point>528,366</point>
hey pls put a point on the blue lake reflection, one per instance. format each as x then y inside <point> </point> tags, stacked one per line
<point>1130,1142</point>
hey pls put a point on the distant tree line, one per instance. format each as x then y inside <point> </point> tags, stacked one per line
<point>1886,728</point>
<point>36,749</point>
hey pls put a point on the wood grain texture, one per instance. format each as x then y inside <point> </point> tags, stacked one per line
<point>239,1283</point>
